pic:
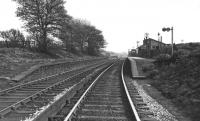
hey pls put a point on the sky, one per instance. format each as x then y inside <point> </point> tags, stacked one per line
<point>124,22</point>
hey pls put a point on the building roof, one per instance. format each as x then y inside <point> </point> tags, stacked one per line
<point>154,40</point>
<point>142,47</point>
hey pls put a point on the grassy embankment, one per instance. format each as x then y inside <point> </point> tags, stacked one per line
<point>180,81</point>
<point>13,61</point>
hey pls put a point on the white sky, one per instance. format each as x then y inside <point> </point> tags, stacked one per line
<point>124,22</point>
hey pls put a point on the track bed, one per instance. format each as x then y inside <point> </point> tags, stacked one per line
<point>106,100</point>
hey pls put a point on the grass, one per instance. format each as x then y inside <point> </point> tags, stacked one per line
<point>143,65</point>
<point>14,61</point>
<point>179,83</point>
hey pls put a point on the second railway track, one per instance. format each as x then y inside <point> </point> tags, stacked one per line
<point>20,101</point>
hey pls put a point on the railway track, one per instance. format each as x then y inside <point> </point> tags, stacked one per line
<point>52,69</point>
<point>103,100</point>
<point>108,98</point>
<point>23,100</point>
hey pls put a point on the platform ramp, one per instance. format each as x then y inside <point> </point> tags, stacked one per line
<point>134,69</point>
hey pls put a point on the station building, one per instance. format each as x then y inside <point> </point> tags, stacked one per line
<point>151,47</point>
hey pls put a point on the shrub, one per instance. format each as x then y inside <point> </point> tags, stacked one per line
<point>162,59</point>
<point>152,74</point>
<point>147,68</point>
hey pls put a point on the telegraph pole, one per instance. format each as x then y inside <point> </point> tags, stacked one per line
<point>138,46</point>
<point>160,40</point>
<point>138,43</point>
<point>172,29</point>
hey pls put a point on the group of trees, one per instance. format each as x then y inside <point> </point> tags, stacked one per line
<point>13,37</point>
<point>79,35</point>
<point>47,19</point>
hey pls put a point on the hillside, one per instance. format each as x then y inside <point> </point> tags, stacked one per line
<point>187,48</point>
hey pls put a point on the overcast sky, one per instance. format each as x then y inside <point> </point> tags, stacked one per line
<point>124,22</point>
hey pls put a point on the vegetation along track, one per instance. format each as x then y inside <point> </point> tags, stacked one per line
<point>104,99</point>
<point>23,100</point>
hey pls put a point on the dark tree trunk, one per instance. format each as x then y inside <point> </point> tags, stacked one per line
<point>43,45</point>
<point>68,43</point>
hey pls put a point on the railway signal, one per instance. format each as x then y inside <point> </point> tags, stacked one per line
<point>170,29</point>
<point>166,29</point>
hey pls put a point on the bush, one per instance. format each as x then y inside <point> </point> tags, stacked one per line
<point>147,68</point>
<point>195,54</point>
<point>179,79</point>
<point>152,74</point>
<point>162,59</point>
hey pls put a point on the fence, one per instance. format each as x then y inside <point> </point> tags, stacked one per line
<point>26,44</point>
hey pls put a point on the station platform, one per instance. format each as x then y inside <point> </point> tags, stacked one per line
<point>134,69</point>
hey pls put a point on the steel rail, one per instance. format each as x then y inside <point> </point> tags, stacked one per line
<point>7,109</point>
<point>35,81</point>
<point>128,95</point>
<point>41,79</point>
<point>72,111</point>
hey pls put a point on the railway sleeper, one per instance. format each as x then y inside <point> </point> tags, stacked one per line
<point>10,99</point>
<point>57,118</point>
<point>29,89</point>
<point>13,116</point>
<point>101,118</point>
<point>65,110</point>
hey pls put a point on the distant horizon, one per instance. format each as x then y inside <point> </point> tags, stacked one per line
<point>124,22</point>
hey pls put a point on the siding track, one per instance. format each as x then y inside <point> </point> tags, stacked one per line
<point>19,102</point>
